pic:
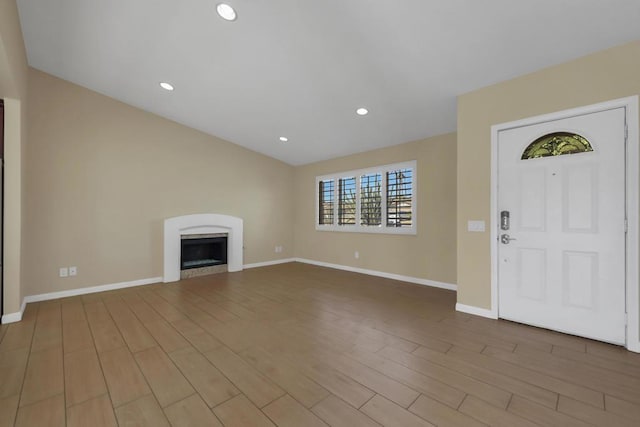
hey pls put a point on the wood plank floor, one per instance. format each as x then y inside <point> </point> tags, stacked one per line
<point>299,345</point>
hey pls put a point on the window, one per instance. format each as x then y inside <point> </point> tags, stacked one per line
<point>373,200</point>
<point>399,198</point>
<point>347,201</point>
<point>556,144</point>
<point>325,202</point>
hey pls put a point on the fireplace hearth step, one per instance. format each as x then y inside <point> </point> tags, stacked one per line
<point>201,262</point>
<point>203,271</point>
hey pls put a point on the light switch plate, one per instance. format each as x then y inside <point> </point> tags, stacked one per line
<point>476,226</point>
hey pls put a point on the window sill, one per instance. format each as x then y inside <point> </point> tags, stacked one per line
<point>369,230</point>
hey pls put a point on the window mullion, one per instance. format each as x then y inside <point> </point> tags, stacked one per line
<point>319,204</point>
<point>383,200</point>
<point>358,207</point>
<point>338,190</point>
<point>336,199</point>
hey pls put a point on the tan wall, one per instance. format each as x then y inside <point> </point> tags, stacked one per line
<point>428,255</point>
<point>13,89</point>
<point>13,206</point>
<point>103,176</point>
<point>13,57</point>
<point>610,74</point>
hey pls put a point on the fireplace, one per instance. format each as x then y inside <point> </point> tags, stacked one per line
<point>202,254</point>
<point>197,251</point>
<point>201,226</point>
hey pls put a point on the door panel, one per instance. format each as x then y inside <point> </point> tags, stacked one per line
<point>580,188</point>
<point>565,267</point>
<point>580,279</point>
<point>532,278</point>
<point>533,197</point>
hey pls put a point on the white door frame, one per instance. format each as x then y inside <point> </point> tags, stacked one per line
<point>632,285</point>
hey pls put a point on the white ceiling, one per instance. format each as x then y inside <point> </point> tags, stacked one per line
<point>300,68</point>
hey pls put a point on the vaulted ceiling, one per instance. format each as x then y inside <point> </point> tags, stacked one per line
<point>301,68</point>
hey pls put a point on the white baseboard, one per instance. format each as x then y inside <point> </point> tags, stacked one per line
<point>91,289</point>
<point>477,311</point>
<point>633,346</point>
<point>268,263</point>
<point>14,317</point>
<point>416,280</point>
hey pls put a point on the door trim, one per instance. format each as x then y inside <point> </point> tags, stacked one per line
<point>632,285</point>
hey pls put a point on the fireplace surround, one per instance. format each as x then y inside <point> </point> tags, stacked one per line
<point>187,225</point>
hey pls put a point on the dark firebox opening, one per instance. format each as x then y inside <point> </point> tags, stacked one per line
<point>196,253</point>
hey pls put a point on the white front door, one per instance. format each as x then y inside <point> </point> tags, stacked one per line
<point>561,262</point>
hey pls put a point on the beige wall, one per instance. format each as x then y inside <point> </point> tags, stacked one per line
<point>610,74</point>
<point>103,176</point>
<point>13,60</point>
<point>428,255</point>
<point>13,89</point>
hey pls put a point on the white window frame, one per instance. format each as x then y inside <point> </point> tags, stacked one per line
<point>358,228</point>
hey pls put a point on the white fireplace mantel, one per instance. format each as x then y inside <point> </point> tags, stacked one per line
<point>178,226</point>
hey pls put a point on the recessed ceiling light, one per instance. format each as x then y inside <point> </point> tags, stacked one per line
<point>166,86</point>
<point>362,111</point>
<point>284,139</point>
<point>226,12</point>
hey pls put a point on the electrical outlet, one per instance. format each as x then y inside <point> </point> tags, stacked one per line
<point>64,272</point>
<point>73,271</point>
<point>356,255</point>
<point>278,249</point>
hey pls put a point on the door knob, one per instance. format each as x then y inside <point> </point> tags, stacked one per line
<point>505,239</point>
